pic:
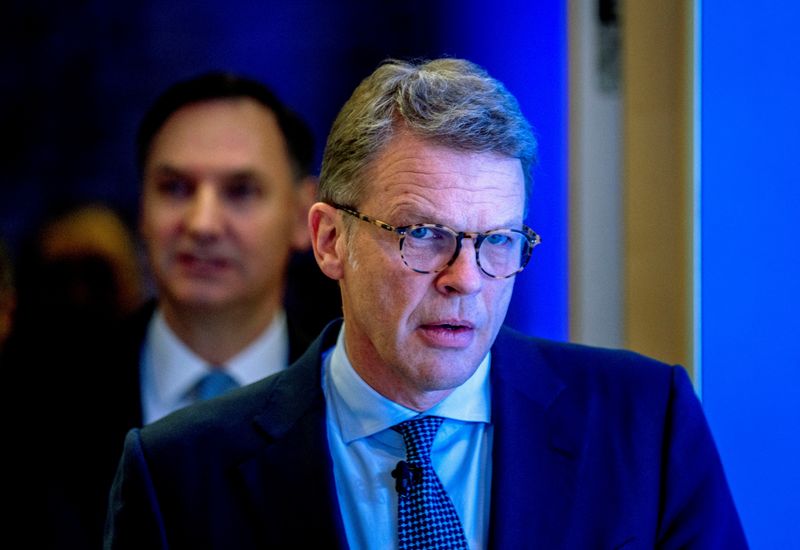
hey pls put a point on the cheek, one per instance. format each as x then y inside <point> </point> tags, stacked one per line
<point>497,301</point>
<point>379,282</point>
<point>255,231</point>
<point>264,251</point>
<point>404,301</point>
<point>272,225</point>
<point>151,235</point>
<point>375,294</point>
<point>160,222</point>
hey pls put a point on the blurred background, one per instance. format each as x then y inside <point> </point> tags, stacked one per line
<point>666,191</point>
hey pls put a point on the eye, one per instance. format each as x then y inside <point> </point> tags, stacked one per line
<point>424,233</point>
<point>498,239</point>
<point>174,187</point>
<point>240,190</point>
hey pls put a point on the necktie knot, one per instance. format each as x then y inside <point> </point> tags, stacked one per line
<point>214,383</point>
<point>418,435</point>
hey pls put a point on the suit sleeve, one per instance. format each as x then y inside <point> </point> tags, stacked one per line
<point>134,520</point>
<point>697,508</point>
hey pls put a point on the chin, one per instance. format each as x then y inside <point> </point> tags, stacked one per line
<point>443,377</point>
<point>203,298</point>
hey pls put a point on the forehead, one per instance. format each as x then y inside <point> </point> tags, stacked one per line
<point>236,129</point>
<point>414,177</point>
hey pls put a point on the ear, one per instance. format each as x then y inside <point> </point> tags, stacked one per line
<point>305,194</point>
<point>326,230</point>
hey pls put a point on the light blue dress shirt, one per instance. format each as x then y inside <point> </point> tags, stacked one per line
<point>365,451</point>
<point>169,370</point>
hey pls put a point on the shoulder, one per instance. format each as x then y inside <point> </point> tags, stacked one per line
<point>222,423</point>
<point>585,372</point>
<point>569,357</point>
<point>243,418</point>
<point>226,420</point>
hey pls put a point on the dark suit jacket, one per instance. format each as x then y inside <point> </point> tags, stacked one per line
<point>592,449</point>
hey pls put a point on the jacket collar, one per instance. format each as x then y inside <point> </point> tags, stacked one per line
<point>296,462</point>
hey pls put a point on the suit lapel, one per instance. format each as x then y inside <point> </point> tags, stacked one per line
<point>536,447</point>
<point>289,482</point>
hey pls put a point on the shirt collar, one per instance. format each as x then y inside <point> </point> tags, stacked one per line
<point>179,368</point>
<point>362,411</point>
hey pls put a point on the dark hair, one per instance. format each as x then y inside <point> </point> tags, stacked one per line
<point>222,85</point>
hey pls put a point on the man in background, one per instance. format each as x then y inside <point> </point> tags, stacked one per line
<point>226,187</point>
<point>420,421</point>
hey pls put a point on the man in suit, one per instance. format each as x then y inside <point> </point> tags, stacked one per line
<point>226,188</point>
<point>225,193</point>
<point>419,421</point>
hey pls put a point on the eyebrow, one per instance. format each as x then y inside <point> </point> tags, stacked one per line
<point>226,176</point>
<point>426,216</point>
<point>412,215</point>
<point>165,169</point>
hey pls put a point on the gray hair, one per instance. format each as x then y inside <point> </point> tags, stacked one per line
<point>451,102</point>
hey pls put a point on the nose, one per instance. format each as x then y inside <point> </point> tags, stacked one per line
<point>463,276</point>
<point>204,215</point>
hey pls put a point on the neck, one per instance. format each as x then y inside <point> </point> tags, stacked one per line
<point>217,336</point>
<point>419,401</point>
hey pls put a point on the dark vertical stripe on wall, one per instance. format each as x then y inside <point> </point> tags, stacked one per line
<point>751,258</point>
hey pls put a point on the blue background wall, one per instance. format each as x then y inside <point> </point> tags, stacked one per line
<point>524,44</point>
<point>79,74</point>
<point>750,86</point>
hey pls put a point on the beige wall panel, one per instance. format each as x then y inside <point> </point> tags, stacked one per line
<point>657,108</point>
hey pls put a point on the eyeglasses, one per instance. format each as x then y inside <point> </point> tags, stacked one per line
<point>431,247</point>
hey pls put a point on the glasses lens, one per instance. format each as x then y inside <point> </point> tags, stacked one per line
<point>503,252</point>
<point>427,248</point>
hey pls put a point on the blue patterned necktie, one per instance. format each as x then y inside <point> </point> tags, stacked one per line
<point>426,517</point>
<point>213,384</point>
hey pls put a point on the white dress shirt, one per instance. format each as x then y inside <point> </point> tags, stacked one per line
<point>365,450</point>
<point>169,370</point>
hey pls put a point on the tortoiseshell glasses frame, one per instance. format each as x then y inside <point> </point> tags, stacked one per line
<point>432,247</point>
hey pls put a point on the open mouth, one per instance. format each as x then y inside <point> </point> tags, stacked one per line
<point>453,324</point>
<point>451,327</point>
<point>449,334</point>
